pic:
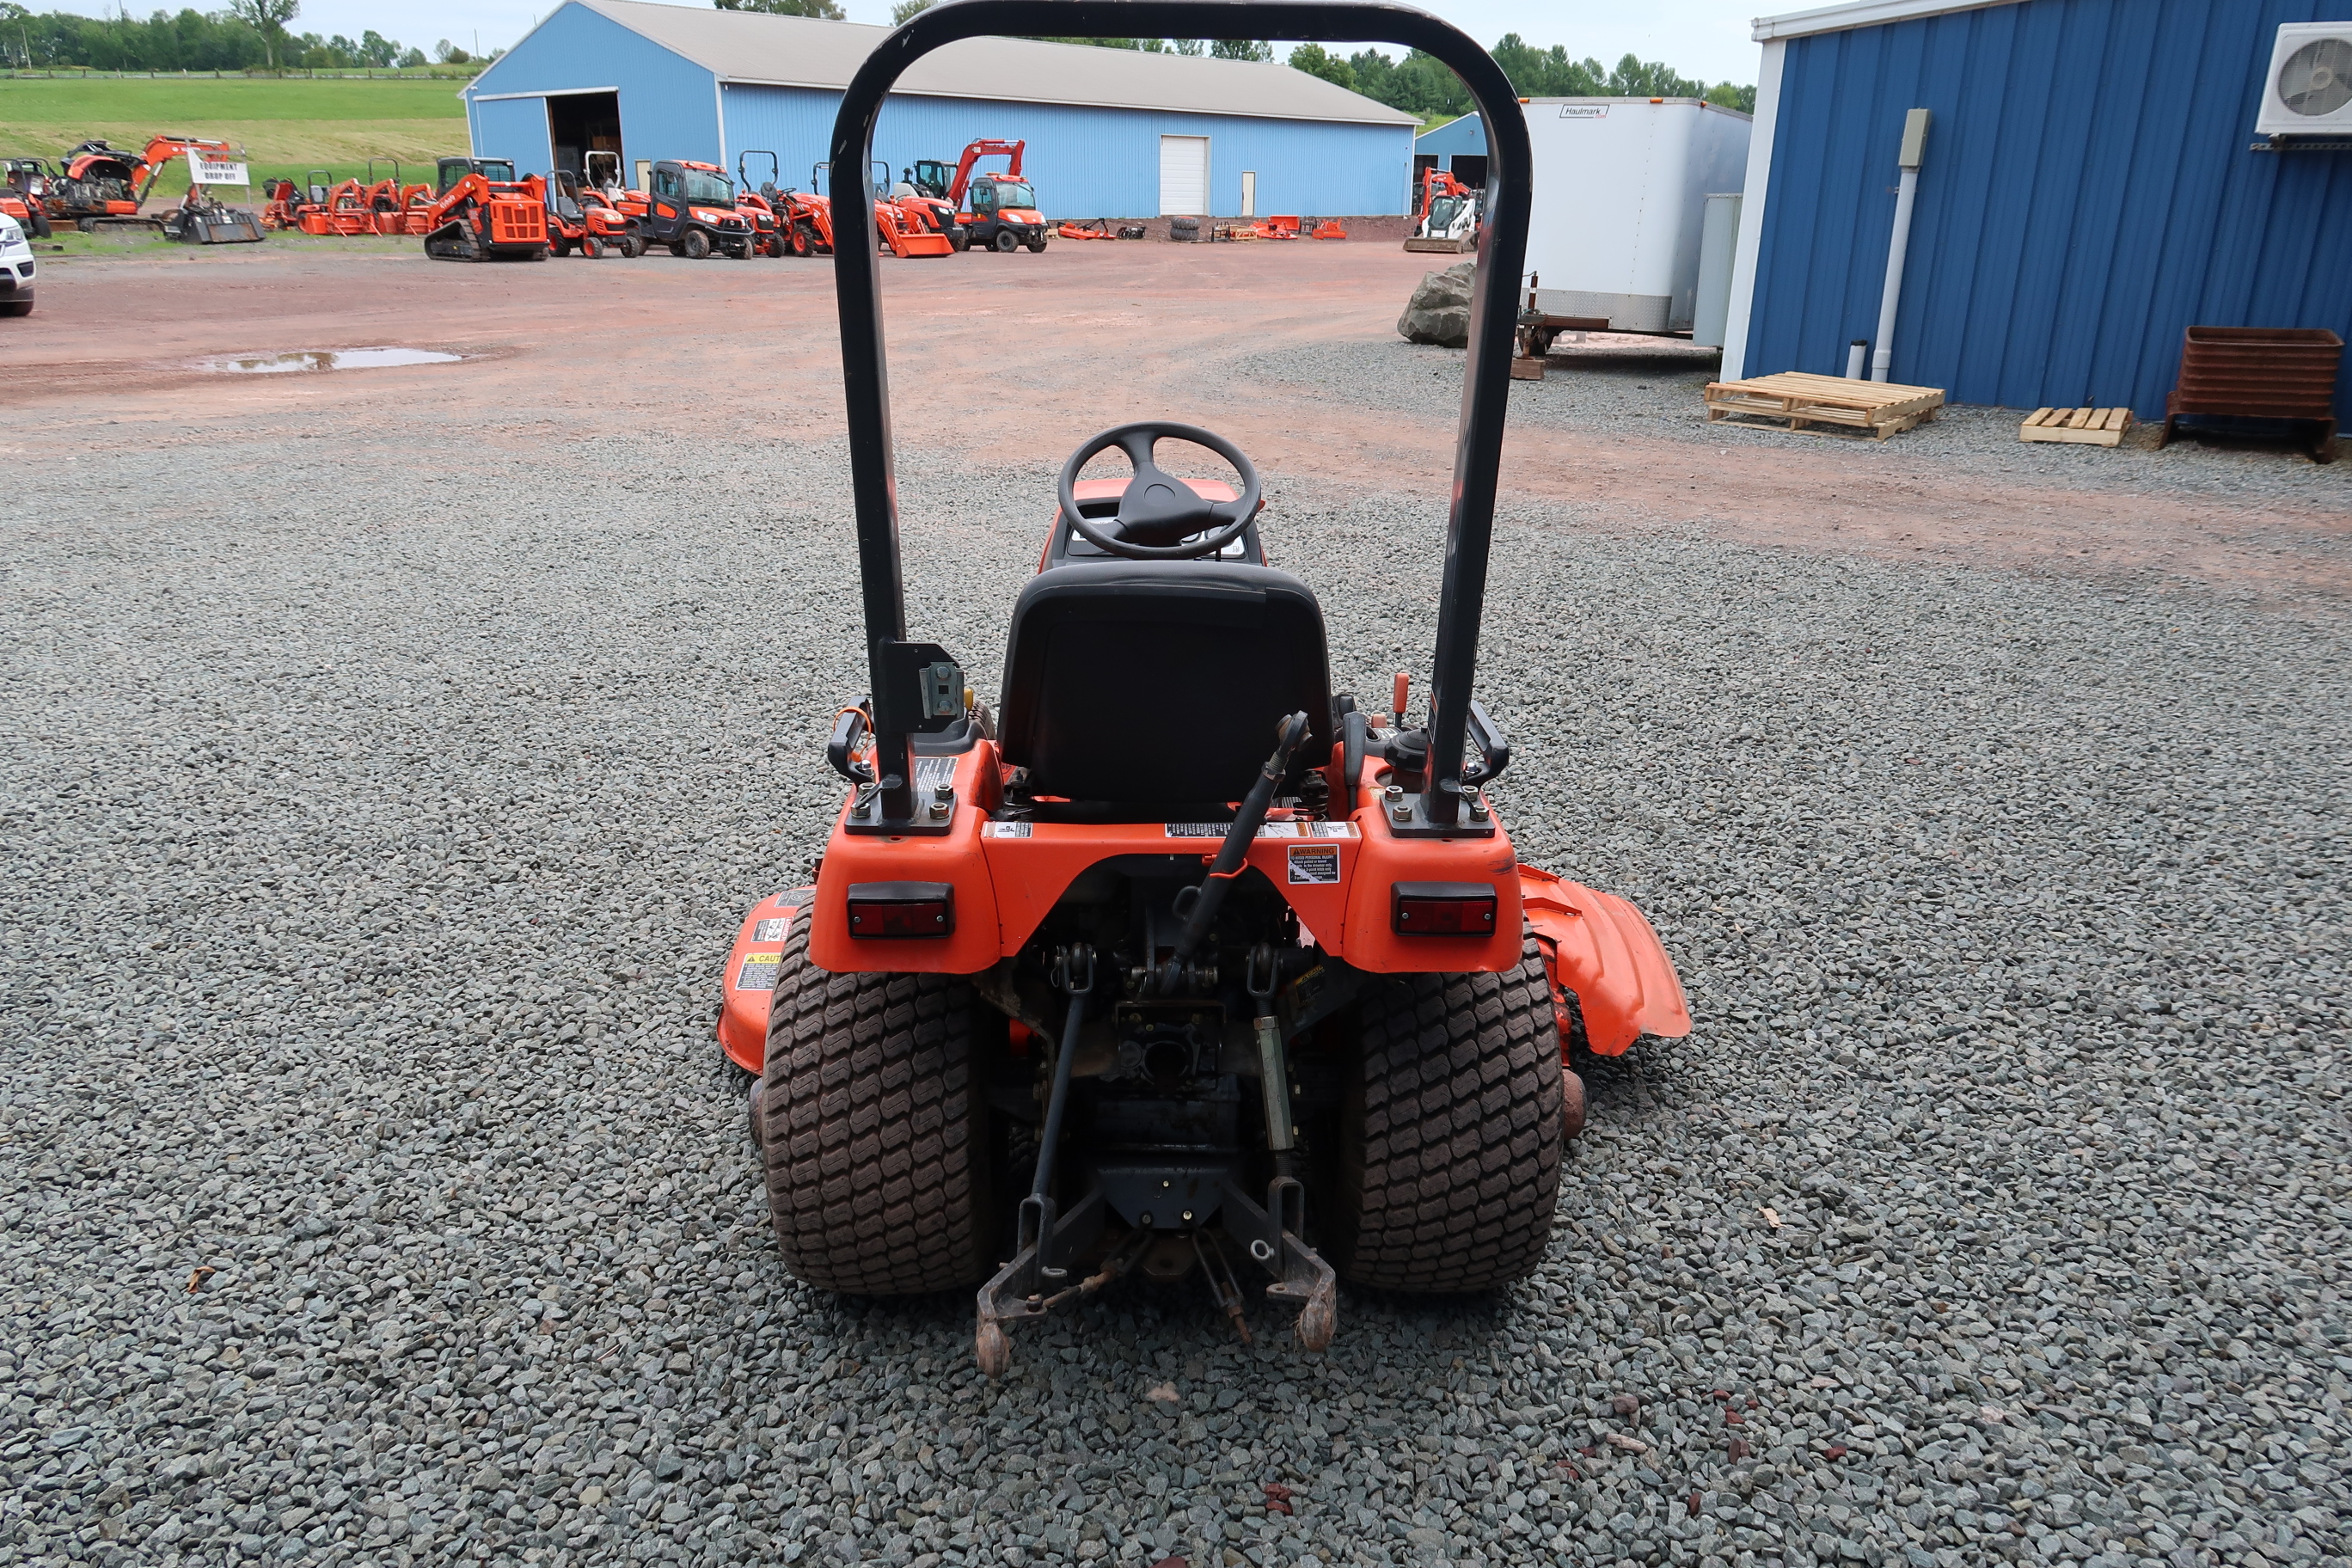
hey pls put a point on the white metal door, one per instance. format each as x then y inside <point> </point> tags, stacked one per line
<point>1184,175</point>
<point>1249,192</point>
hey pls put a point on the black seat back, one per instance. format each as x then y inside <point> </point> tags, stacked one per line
<point>1155,684</point>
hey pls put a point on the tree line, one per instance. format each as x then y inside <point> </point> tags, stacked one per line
<point>250,35</point>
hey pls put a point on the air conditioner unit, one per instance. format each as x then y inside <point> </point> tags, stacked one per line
<point>2308,91</point>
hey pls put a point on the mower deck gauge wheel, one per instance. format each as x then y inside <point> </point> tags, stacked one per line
<point>1159,514</point>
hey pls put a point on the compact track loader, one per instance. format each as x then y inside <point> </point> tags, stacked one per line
<point>1180,959</point>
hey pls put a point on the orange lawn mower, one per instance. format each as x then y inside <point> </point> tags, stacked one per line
<point>482,213</point>
<point>1181,959</point>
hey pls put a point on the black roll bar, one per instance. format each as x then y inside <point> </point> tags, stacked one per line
<point>1485,381</point>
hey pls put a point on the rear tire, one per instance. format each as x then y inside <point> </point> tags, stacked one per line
<point>695,246</point>
<point>877,1146</point>
<point>1450,1132</point>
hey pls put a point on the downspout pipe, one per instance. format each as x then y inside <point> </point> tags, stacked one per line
<point>1914,145</point>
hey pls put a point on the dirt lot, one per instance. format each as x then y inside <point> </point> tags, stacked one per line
<point>1020,357</point>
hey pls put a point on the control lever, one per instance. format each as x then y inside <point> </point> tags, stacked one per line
<point>1273,1066</point>
<point>848,738</point>
<point>1201,911</point>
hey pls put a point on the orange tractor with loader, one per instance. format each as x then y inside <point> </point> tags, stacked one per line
<point>1178,958</point>
<point>901,227</point>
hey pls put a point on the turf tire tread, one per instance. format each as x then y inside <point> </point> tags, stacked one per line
<point>875,1154</point>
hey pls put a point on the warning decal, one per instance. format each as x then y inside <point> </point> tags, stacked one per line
<point>1004,830</point>
<point>770,928</point>
<point>759,972</point>
<point>1313,863</point>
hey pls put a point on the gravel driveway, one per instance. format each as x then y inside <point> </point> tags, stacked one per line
<point>375,1192</point>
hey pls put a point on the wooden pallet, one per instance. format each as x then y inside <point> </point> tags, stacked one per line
<point>2082,427</point>
<point>1804,401</point>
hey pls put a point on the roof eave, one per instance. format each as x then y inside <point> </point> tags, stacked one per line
<point>903,90</point>
<point>1866,14</point>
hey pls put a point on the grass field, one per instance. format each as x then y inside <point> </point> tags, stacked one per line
<point>288,126</point>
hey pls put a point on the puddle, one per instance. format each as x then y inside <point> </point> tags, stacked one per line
<point>325,359</point>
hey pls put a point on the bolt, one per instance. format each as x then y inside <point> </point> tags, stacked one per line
<point>1164,1186</point>
<point>941,811</point>
<point>1144,1219</point>
<point>1478,807</point>
<point>1187,1216</point>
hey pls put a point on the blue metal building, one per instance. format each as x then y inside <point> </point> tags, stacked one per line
<point>1458,146</point>
<point>2089,188</point>
<point>1110,133</point>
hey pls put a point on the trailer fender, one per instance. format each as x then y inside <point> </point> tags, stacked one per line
<point>1599,948</point>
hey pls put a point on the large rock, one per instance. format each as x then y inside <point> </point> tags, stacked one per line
<point>1439,311</point>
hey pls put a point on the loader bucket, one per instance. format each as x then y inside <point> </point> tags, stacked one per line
<point>923,245</point>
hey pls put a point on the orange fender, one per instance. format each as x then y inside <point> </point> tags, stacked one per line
<point>748,983</point>
<point>1599,948</point>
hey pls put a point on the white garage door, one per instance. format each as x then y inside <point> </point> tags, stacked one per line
<point>1184,175</point>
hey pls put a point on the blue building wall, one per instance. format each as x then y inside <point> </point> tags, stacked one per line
<point>669,108</point>
<point>1087,161</point>
<point>1466,134</point>
<point>1098,163</point>
<point>2087,194</point>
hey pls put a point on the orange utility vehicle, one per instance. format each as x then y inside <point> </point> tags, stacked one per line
<point>691,209</point>
<point>994,212</point>
<point>1180,957</point>
<point>482,213</point>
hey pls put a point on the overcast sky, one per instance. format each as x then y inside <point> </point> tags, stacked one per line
<point>1707,39</point>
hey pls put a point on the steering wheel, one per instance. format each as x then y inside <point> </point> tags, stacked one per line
<point>1159,513</point>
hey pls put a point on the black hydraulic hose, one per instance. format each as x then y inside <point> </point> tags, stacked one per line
<point>1210,894</point>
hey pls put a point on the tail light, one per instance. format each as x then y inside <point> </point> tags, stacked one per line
<point>1442,908</point>
<point>901,908</point>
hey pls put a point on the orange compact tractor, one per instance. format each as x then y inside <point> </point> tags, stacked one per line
<point>482,213</point>
<point>1180,958</point>
<point>575,222</point>
<point>996,211</point>
<point>24,187</point>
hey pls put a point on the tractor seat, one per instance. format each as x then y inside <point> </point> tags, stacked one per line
<point>1132,687</point>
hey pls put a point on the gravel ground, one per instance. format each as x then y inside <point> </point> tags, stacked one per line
<point>1616,388</point>
<point>374,1192</point>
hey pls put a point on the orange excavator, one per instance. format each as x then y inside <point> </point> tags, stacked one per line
<point>105,187</point>
<point>484,214</point>
<point>996,211</point>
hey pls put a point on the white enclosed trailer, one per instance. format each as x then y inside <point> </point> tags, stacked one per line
<point>1620,201</point>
